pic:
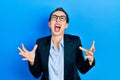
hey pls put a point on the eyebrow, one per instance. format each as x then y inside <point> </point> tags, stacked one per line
<point>57,15</point>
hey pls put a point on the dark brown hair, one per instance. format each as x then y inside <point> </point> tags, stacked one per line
<point>60,9</point>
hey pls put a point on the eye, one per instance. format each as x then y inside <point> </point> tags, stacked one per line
<point>62,17</point>
<point>54,16</point>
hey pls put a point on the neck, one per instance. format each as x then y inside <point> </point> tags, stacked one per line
<point>56,40</point>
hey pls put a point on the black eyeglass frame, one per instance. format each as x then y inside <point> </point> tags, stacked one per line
<point>61,18</point>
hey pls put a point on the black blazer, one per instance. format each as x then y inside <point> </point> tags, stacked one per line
<point>73,58</point>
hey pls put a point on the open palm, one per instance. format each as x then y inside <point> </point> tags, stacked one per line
<point>28,55</point>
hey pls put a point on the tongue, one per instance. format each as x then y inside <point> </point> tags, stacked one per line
<point>57,29</point>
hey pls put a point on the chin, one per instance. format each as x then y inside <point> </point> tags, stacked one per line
<point>57,34</point>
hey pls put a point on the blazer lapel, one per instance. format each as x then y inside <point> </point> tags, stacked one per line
<point>66,53</point>
<point>46,49</point>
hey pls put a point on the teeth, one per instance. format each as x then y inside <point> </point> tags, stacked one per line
<point>57,25</point>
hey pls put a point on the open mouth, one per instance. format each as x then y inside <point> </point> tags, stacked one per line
<point>57,27</point>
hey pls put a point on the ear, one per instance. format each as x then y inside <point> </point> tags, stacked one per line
<point>66,26</point>
<point>49,24</point>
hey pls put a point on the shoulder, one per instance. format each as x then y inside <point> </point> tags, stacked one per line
<point>72,37</point>
<point>73,40</point>
<point>43,40</point>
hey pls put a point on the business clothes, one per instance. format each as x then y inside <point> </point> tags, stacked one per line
<point>73,58</point>
<point>56,61</point>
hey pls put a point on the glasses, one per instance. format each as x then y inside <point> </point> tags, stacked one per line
<point>55,17</point>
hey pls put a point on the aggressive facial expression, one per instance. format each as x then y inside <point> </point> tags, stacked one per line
<point>58,23</point>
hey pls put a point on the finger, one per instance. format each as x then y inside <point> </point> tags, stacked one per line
<point>24,49</point>
<point>24,59</point>
<point>89,57</point>
<point>89,53</point>
<point>93,42</point>
<point>83,49</point>
<point>21,51</point>
<point>35,47</point>
<point>92,46</point>
<point>22,54</point>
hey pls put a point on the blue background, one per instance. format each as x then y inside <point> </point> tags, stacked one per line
<point>24,21</point>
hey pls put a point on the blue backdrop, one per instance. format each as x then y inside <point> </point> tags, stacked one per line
<point>24,21</point>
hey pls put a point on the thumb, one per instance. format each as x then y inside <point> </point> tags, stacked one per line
<point>35,47</point>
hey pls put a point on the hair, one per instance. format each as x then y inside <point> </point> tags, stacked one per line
<point>60,9</point>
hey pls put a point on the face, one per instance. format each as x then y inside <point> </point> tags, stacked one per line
<point>58,23</point>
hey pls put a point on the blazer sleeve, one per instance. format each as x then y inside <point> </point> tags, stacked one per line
<point>36,68</point>
<point>82,64</point>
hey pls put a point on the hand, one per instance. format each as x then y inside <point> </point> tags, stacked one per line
<point>89,53</point>
<point>28,55</point>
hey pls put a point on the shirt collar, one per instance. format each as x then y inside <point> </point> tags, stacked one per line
<point>61,42</point>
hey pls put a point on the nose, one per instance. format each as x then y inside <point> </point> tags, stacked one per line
<point>58,19</point>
